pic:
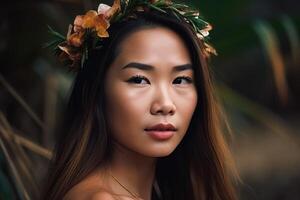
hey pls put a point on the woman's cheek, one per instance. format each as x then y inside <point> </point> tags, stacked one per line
<point>129,103</point>
<point>188,105</point>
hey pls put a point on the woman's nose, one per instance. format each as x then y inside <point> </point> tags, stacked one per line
<point>163,103</point>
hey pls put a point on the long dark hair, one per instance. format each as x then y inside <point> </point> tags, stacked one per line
<point>199,168</point>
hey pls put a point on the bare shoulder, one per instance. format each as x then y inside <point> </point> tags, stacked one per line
<point>102,195</point>
<point>90,188</point>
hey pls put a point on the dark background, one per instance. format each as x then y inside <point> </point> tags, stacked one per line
<point>257,75</point>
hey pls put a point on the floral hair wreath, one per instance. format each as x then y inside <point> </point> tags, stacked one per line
<point>73,49</point>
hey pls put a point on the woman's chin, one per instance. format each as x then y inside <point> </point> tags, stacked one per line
<point>159,152</point>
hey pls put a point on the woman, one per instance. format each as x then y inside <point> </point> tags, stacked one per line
<point>142,121</point>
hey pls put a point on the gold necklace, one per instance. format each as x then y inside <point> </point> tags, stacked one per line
<point>134,196</point>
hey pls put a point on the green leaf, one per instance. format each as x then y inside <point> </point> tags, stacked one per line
<point>178,5</point>
<point>157,8</point>
<point>56,34</point>
<point>175,14</point>
<point>52,43</point>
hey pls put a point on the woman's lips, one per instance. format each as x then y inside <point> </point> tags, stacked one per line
<point>161,131</point>
<point>161,135</point>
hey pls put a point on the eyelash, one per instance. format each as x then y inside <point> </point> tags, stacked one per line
<point>136,79</point>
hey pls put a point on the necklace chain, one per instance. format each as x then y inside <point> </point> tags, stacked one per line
<point>131,193</point>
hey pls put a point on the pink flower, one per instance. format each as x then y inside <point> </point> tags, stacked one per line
<point>103,8</point>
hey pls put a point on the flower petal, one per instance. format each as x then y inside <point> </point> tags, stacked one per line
<point>88,19</point>
<point>200,36</point>
<point>101,26</point>
<point>101,32</point>
<point>64,47</point>
<point>114,9</point>
<point>210,50</point>
<point>204,32</point>
<point>68,49</point>
<point>100,20</point>
<point>103,8</point>
<point>76,39</point>
<point>208,27</point>
<point>70,28</point>
<point>70,56</point>
<point>78,23</point>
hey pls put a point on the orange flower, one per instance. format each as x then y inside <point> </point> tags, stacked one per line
<point>89,19</point>
<point>71,49</point>
<point>76,39</point>
<point>78,23</point>
<point>101,26</point>
<point>97,22</point>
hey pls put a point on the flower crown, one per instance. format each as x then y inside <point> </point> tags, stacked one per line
<point>73,49</point>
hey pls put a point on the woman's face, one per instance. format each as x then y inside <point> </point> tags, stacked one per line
<point>150,94</point>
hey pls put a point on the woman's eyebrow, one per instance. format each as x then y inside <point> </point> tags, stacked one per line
<point>147,67</point>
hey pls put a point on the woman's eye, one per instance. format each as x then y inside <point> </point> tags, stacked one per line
<point>138,80</point>
<point>183,80</point>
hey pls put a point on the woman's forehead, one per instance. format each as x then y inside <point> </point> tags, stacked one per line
<point>154,46</point>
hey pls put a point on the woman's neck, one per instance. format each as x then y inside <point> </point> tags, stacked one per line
<point>132,170</point>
